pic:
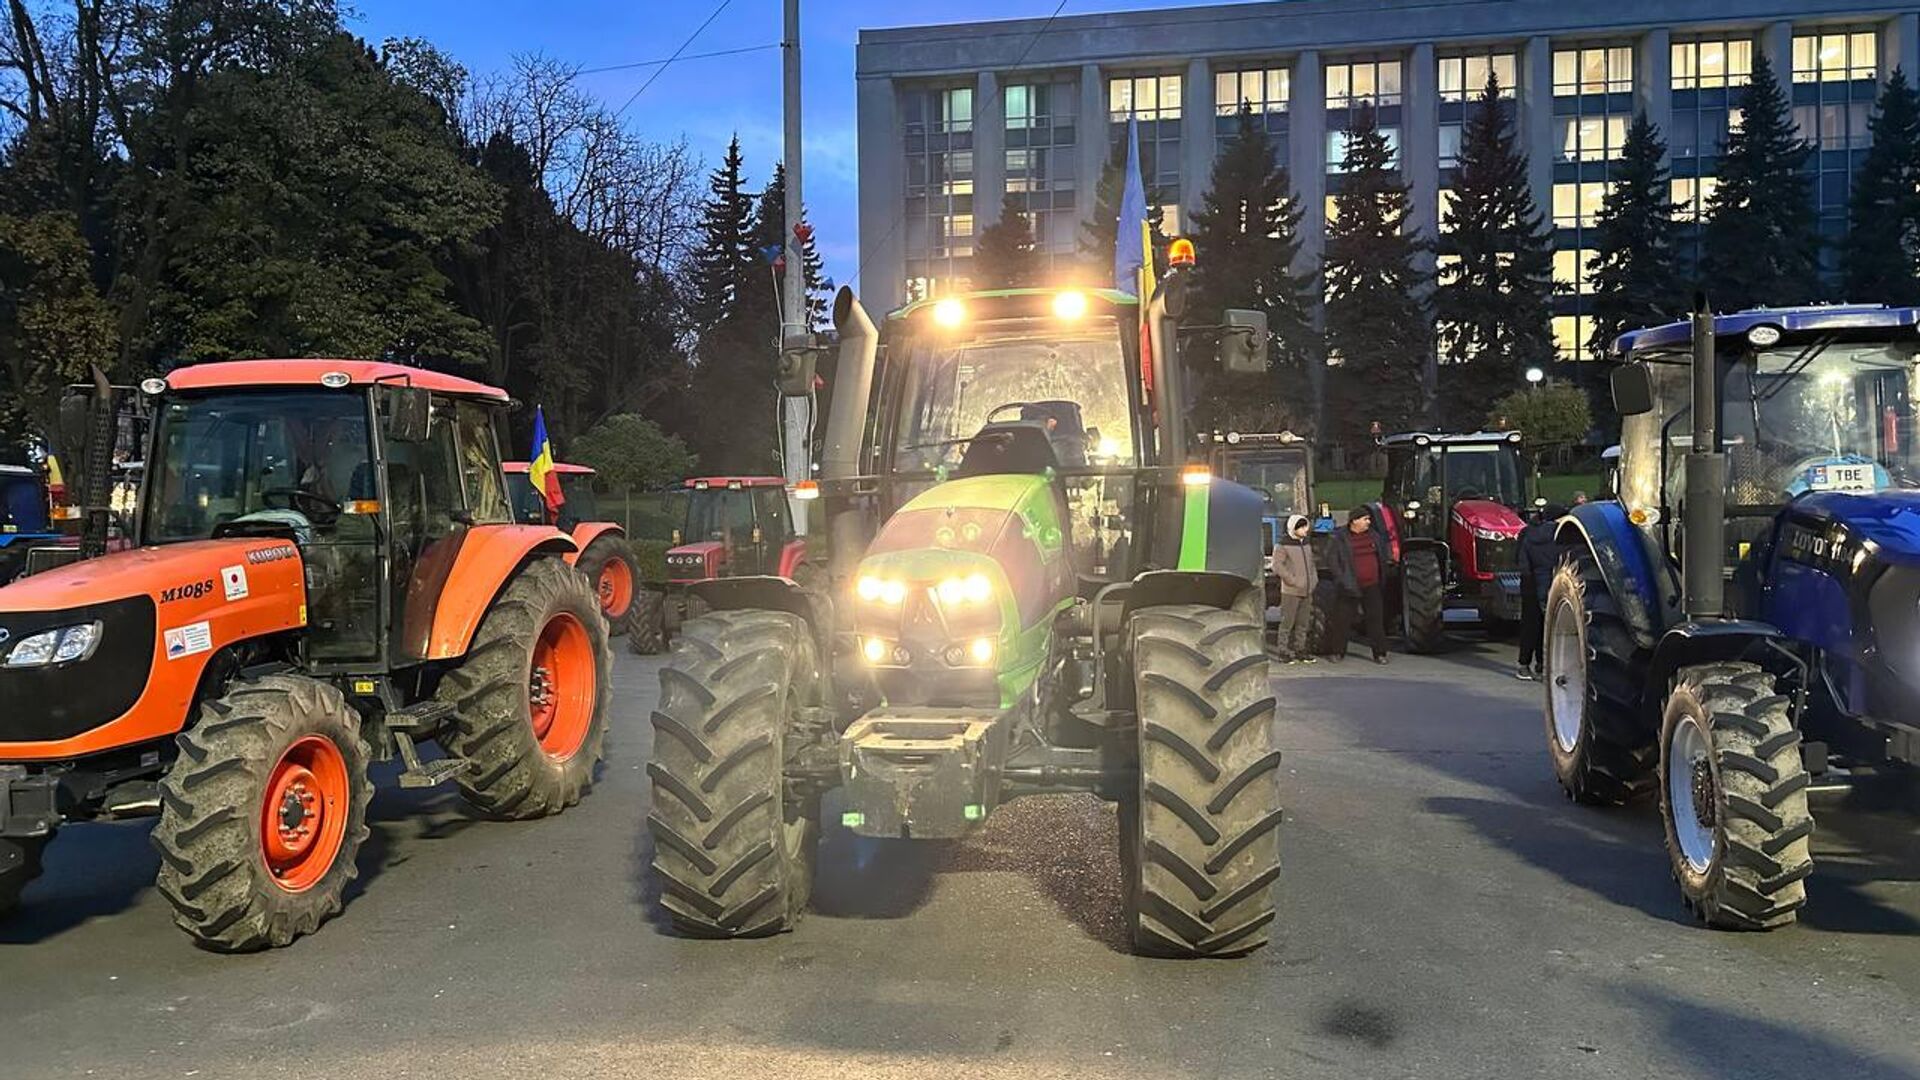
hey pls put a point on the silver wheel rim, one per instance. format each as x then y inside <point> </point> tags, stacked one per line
<point>1566,674</point>
<point>1690,793</point>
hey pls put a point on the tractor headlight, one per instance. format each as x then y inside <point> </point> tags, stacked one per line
<point>58,646</point>
<point>976,653</point>
<point>876,590</point>
<point>975,588</point>
<point>1490,534</point>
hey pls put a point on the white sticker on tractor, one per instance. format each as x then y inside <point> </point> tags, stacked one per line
<point>1841,478</point>
<point>235,579</point>
<point>189,639</point>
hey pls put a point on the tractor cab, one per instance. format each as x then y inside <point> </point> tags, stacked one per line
<point>736,526</point>
<point>576,490</point>
<point>1456,500</point>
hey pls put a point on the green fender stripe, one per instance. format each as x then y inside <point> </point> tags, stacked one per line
<point>1193,530</point>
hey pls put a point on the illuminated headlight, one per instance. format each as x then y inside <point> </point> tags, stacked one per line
<point>881,652</point>
<point>976,653</point>
<point>875,590</point>
<point>975,588</point>
<point>57,646</point>
<point>1108,447</point>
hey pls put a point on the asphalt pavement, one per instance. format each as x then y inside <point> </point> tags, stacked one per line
<point>1444,914</point>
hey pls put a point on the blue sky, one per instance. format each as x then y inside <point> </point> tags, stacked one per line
<point>707,100</point>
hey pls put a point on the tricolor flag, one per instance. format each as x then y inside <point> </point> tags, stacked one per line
<point>540,473</point>
<point>1133,241</point>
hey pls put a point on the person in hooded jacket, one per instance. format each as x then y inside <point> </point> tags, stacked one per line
<point>1539,554</point>
<point>1293,566</point>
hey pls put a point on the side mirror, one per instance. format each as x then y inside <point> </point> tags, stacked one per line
<point>408,411</point>
<point>1243,344</point>
<point>1632,390</point>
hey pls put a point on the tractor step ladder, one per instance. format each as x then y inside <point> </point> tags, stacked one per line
<point>403,724</point>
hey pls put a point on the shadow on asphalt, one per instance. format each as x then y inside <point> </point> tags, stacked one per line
<point>1726,1045</point>
<point>92,871</point>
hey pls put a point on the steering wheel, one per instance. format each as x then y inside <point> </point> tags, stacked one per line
<point>1003,407</point>
<point>315,507</point>
<point>1467,493</point>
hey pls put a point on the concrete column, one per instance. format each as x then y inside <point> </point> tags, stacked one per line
<point>1307,167</point>
<point>1653,80</point>
<point>1094,141</point>
<point>1535,119</point>
<point>1900,46</point>
<point>1420,143</point>
<point>1196,136</point>
<point>989,151</point>
<point>1776,43</point>
<point>883,195</point>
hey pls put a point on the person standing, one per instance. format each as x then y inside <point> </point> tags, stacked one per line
<point>1293,566</point>
<point>1357,560</point>
<point>1539,554</point>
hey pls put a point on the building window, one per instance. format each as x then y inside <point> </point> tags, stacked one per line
<point>1571,273</point>
<point>1590,138</point>
<point>1449,145</point>
<point>1042,161</point>
<point>1597,69</point>
<point>1703,132</point>
<point>1840,56</point>
<point>1041,105</point>
<point>1464,78</point>
<point>1706,64</point>
<point>1377,81</point>
<point>1577,206</point>
<point>1571,334</point>
<point>1443,207</point>
<point>1836,125</point>
<point>1145,97</point>
<point>1337,148</point>
<point>1332,209</point>
<point>939,110</point>
<point>1263,90</point>
<point>1690,195</point>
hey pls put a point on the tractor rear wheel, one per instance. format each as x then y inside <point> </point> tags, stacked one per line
<point>1202,830</point>
<point>1423,600</point>
<point>1602,753</point>
<point>1733,796</point>
<point>647,627</point>
<point>262,814</point>
<point>531,696</point>
<point>610,564</point>
<point>733,844</point>
<point>19,864</point>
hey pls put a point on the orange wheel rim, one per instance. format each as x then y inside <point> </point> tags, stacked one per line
<point>561,687</point>
<point>303,822</point>
<point>616,587</point>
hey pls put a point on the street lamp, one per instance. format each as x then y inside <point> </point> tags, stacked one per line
<point>1534,375</point>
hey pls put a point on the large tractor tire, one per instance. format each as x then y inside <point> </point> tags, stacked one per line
<point>647,628</point>
<point>1201,842</point>
<point>531,696</point>
<point>614,570</point>
<point>732,844</point>
<point>1733,795</point>
<point>262,814</point>
<point>1602,751</point>
<point>1423,600</point>
<point>19,864</point>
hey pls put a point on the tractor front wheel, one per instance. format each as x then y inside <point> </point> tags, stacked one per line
<point>262,814</point>
<point>531,696</point>
<point>19,864</point>
<point>1601,752</point>
<point>1200,831</point>
<point>1423,600</point>
<point>1733,796</point>
<point>647,628</point>
<point>614,570</point>
<point>733,843</point>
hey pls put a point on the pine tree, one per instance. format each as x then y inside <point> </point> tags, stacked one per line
<point>737,318</point>
<point>1247,231</point>
<point>1632,269</point>
<point>770,232</point>
<point>1883,235</point>
<point>1097,233</point>
<point>1496,300</point>
<point>1007,257</point>
<point>725,255</point>
<point>1377,324</point>
<point>1762,246</point>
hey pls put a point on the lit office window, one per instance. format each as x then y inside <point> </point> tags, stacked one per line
<point>1571,273</point>
<point>1332,208</point>
<point>1146,97</point>
<point>1690,195</point>
<point>1443,207</point>
<point>1600,69</point>
<point>1464,78</point>
<point>1577,206</point>
<point>1337,149</point>
<point>1377,81</point>
<point>1590,138</point>
<point>1836,56</point>
<point>1571,334</point>
<point>1263,90</point>
<point>1706,64</point>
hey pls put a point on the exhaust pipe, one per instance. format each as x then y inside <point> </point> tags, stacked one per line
<point>1705,545</point>
<point>846,430</point>
<point>97,483</point>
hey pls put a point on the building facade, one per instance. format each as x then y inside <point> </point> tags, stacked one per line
<point>954,119</point>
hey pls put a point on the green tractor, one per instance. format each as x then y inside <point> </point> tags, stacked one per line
<point>1035,587</point>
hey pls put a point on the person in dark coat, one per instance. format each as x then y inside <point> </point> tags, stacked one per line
<point>1539,554</point>
<point>1358,561</point>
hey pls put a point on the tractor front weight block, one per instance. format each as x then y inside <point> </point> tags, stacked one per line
<point>29,805</point>
<point>930,774</point>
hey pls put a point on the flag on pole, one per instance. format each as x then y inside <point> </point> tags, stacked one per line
<point>1133,241</point>
<point>540,473</point>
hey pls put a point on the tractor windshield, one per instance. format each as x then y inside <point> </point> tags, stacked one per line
<point>1484,471</point>
<point>1279,475</point>
<point>1075,383</point>
<point>294,458</point>
<point>720,514</point>
<point>1796,419</point>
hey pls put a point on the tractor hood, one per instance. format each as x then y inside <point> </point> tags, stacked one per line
<point>1488,516</point>
<point>1888,520</point>
<point>696,561</point>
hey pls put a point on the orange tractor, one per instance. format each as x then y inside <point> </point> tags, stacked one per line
<point>605,556</point>
<point>326,570</point>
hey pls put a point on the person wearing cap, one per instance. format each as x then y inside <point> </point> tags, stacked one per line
<point>1539,554</point>
<point>1293,566</point>
<point>1357,560</point>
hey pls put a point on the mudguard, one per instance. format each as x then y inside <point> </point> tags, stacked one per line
<point>489,556</point>
<point>1631,563</point>
<point>1706,641</point>
<point>792,554</point>
<point>1211,588</point>
<point>1218,530</point>
<point>769,593</point>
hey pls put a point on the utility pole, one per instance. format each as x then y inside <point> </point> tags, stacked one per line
<point>794,330</point>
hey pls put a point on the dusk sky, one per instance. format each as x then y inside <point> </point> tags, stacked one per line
<point>707,100</point>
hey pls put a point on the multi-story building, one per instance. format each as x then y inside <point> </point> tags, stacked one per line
<point>954,118</point>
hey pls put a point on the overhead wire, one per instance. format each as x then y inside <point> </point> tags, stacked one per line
<point>668,62</point>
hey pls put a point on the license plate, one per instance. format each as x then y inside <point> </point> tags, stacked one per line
<point>1841,478</point>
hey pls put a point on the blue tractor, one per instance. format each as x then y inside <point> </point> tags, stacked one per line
<point>1746,617</point>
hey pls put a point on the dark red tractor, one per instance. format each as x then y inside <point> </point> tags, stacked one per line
<point>736,526</point>
<point>605,555</point>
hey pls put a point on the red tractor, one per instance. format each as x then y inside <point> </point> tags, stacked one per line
<point>1453,506</point>
<point>606,556</point>
<point>737,526</point>
<point>325,571</point>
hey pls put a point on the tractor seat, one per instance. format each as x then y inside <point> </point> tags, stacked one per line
<point>1016,447</point>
